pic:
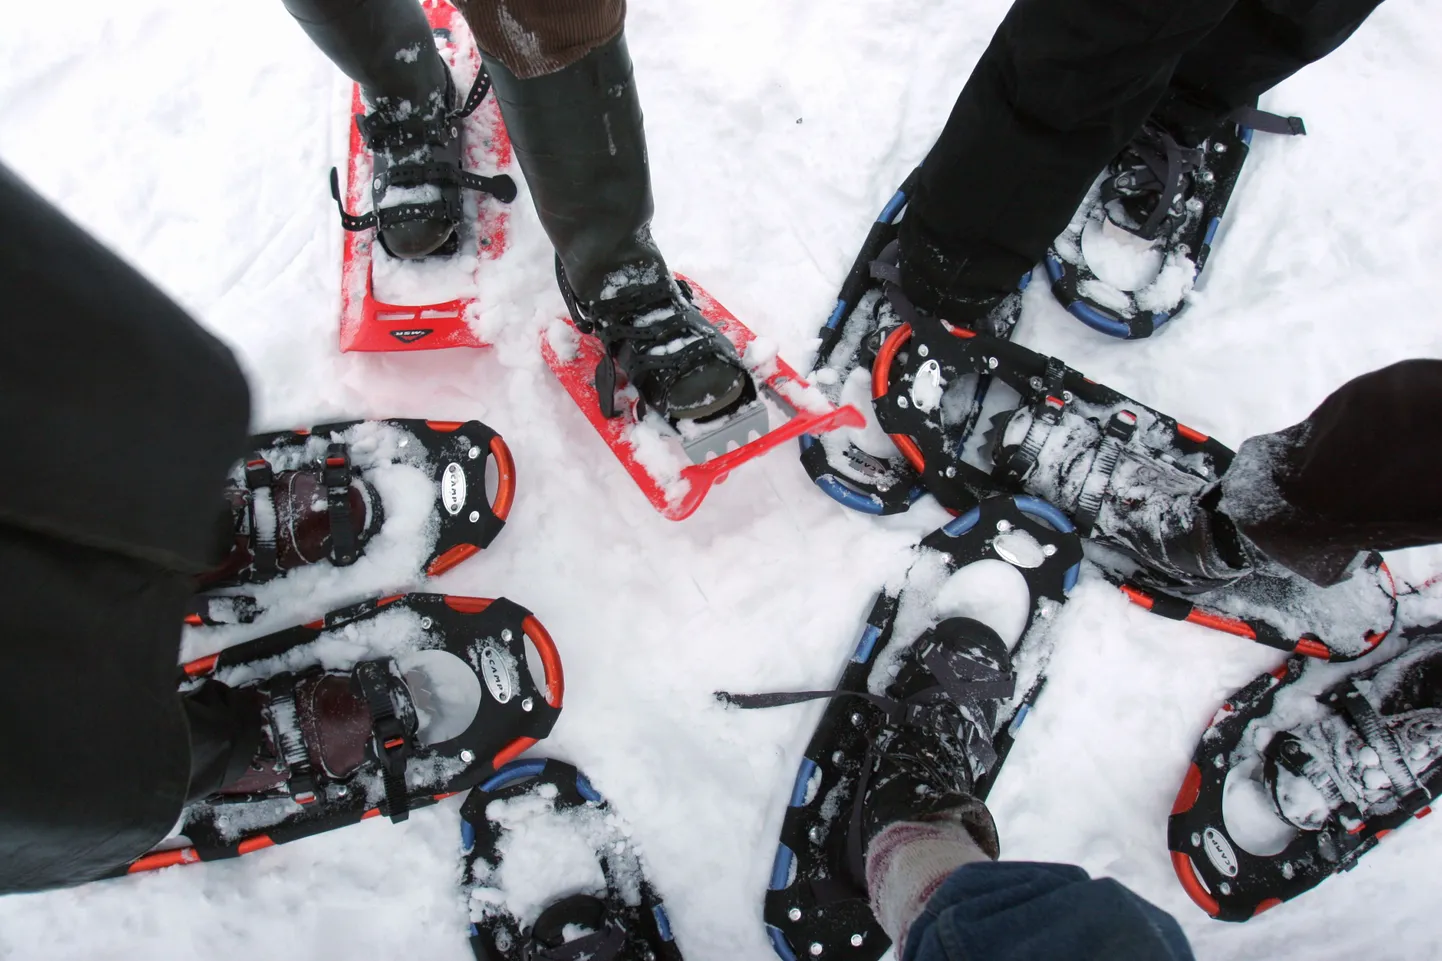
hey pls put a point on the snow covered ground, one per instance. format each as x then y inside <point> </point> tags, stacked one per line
<point>195,136</point>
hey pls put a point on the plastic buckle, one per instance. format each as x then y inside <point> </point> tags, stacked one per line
<point>258,473</point>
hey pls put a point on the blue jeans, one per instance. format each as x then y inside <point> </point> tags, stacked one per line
<point>1025,911</point>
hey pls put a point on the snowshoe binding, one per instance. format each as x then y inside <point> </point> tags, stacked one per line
<point>1141,487</point>
<point>927,687</point>
<point>412,161</point>
<point>380,708</point>
<point>663,360</point>
<point>608,913</point>
<point>1131,255</point>
<point>1305,770</point>
<point>861,468</point>
<point>377,497</point>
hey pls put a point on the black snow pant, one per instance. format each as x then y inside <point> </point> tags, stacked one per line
<point>120,418</point>
<point>1064,85</point>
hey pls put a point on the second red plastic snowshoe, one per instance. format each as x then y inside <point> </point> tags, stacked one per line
<point>677,464</point>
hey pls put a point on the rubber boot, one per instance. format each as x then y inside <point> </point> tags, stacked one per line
<point>579,138</point>
<point>387,47</point>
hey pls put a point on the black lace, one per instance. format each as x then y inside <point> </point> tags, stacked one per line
<point>1152,183</point>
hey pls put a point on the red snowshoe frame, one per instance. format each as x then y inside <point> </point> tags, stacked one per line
<point>577,375</point>
<point>370,324</point>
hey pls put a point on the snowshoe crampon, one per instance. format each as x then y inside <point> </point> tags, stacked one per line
<point>912,381</point>
<point>816,904</point>
<point>419,495</point>
<point>1305,770</point>
<point>390,304</point>
<point>482,680</point>
<point>1171,256</point>
<point>608,911</point>
<point>676,465</point>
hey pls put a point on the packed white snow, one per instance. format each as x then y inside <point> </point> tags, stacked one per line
<point>201,154</point>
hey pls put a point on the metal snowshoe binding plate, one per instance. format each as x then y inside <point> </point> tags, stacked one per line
<point>477,682</point>
<point>816,906</point>
<point>354,492</point>
<point>614,916</point>
<point>422,321</point>
<point>1177,236</point>
<point>707,449</point>
<point>956,463</point>
<point>874,479</point>
<point>1304,771</point>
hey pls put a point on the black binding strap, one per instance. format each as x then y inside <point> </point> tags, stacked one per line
<point>548,943</point>
<point>336,475</point>
<point>285,722</point>
<point>390,744</point>
<point>1119,430</point>
<point>258,479</point>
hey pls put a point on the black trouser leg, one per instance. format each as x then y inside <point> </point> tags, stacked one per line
<point>1063,86</point>
<point>386,46</point>
<point>1258,45</point>
<point>1360,473</point>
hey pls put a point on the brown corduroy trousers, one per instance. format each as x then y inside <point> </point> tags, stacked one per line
<point>537,37</point>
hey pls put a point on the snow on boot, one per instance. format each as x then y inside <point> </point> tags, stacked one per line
<point>552,873</point>
<point>379,708</point>
<point>862,468</point>
<point>1134,249</point>
<point>923,717</point>
<point>1304,771</point>
<point>1143,488</point>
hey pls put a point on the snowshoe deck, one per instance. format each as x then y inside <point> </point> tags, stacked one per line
<point>676,484</point>
<point>452,457</point>
<point>627,920</point>
<point>370,323</point>
<point>910,380</point>
<point>810,902</point>
<point>1223,877</point>
<point>479,654</point>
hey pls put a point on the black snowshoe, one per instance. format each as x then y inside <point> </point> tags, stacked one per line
<point>1138,484</point>
<point>618,917</point>
<point>946,689</point>
<point>871,305</point>
<point>1165,198</point>
<point>377,709</point>
<point>324,496</point>
<point>417,153</point>
<point>1305,770</point>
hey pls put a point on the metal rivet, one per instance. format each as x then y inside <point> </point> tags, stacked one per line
<point>992,363</point>
<point>1049,550</point>
<point>222,822</point>
<point>475,516</point>
<point>527,704</point>
<point>1066,396</point>
<point>506,634</point>
<point>467,757</point>
<point>473,453</point>
<point>856,940</point>
<point>455,132</point>
<point>837,757</point>
<point>1207,176</point>
<point>425,623</point>
<point>923,350</point>
<point>794,914</point>
<point>378,183</point>
<point>856,720</point>
<point>1196,840</point>
<point>1035,383</point>
<point>815,949</point>
<point>1219,147</point>
<point>950,472</point>
<point>815,835</point>
<point>342,791</point>
<point>901,402</point>
<point>1225,888</point>
<point>1003,526</point>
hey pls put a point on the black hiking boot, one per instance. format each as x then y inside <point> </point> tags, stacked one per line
<point>578,136</point>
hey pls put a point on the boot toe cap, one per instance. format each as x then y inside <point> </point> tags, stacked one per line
<point>419,238</point>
